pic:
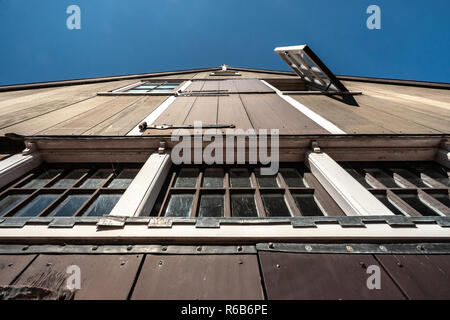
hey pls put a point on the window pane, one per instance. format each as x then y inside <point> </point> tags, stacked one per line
<point>439,174</point>
<point>240,178</point>
<point>137,91</point>
<point>275,205</point>
<point>124,179</point>
<point>408,175</point>
<point>180,205</point>
<point>146,87</point>
<point>414,201</point>
<point>10,201</point>
<point>36,206</point>
<point>70,179</point>
<point>211,205</point>
<point>292,177</point>
<point>359,177</point>
<point>266,181</point>
<point>307,205</point>
<point>161,90</point>
<point>70,205</point>
<point>168,86</point>
<point>213,178</point>
<point>97,179</point>
<point>102,205</point>
<point>187,178</point>
<point>243,205</point>
<point>384,200</point>
<point>42,179</point>
<point>383,177</point>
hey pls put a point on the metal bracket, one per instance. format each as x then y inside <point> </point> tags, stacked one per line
<point>315,146</point>
<point>31,147</point>
<point>162,147</point>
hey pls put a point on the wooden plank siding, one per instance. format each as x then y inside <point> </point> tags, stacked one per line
<point>76,109</point>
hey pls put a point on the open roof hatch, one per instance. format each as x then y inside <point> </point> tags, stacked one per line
<point>307,65</point>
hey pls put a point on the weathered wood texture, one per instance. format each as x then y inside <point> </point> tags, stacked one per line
<point>76,109</point>
<point>245,111</point>
<point>386,108</point>
<point>102,276</point>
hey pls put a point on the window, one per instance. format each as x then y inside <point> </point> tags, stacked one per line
<point>307,65</point>
<point>155,87</point>
<point>242,192</point>
<point>406,188</point>
<point>64,190</point>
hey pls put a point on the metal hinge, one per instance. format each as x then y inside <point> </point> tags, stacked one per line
<point>315,147</point>
<point>144,126</point>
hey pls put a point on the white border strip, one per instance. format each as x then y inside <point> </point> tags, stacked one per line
<point>17,165</point>
<point>349,194</point>
<point>128,86</point>
<point>324,123</point>
<point>157,112</point>
<point>141,194</point>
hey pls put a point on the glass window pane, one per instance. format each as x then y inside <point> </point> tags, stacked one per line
<point>10,201</point>
<point>180,205</point>
<point>408,175</point>
<point>444,198</point>
<point>97,179</point>
<point>240,178</point>
<point>124,179</point>
<point>161,90</point>
<point>168,86</point>
<point>36,206</point>
<point>358,176</point>
<point>275,205</point>
<point>70,205</point>
<point>211,205</point>
<point>439,174</point>
<point>307,204</point>
<point>42,179</point>
<point>292,177</point>
<point>382,177</point>
<point>266,181</point>
<point>384,200</point>
<point>414,201</point>
<point>243,205</point>
<point>213,178</point>
<point>187,178</point>
<point>102,205</point>
<point>137,91</point>
<point>69,180</point>
<point>145,87</point>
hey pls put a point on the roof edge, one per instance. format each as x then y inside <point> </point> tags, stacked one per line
<point>412,83</point>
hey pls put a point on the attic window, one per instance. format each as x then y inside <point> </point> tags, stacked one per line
<point>224,72</point>
<point>307,65</point>
<point>155,87</point>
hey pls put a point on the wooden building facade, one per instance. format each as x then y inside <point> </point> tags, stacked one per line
<point>87,179</point>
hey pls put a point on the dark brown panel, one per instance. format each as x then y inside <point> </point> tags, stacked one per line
<point>102,276</point>
<point>322,276</point>
<point>199,277</point>
<point>11,266</point>
<point>420,276</point>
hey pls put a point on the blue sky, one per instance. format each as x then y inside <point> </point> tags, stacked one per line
<point>139,36</point>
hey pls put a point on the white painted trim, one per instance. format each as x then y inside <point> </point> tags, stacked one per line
<point>180,233</point>
<point>17,165</point>
<point>157,112</point>
<point>128,86</point>
<point>141,194</point>
<point>443,157</point>
<point>349,194</point>
<point>324,123</point>
<point>290,48</point>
